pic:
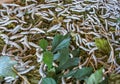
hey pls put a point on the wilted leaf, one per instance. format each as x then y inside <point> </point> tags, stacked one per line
<point>43,44</point>
<point>6,65</point>
<point>48,81</point>
<point>60,42</point>
<point>96,77</point>
<point>48,58</point>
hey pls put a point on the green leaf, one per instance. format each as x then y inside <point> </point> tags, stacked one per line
<point>64,56</point>
<point>48,58</point>
<point>80,74</point>
<point>43,44</point>
<point>96,77</point>
<point>6,65</point>
<point>69,63</point>
<point>48,81</point>
<point>56,56</point>
<point>76,52</point>
<point>60,42</point>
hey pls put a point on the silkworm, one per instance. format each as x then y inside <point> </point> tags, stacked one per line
<point>4,20</point>
<point>41,70</point>
<point>8,22</point>
<point>39,56</point>
<point>33,45</point>
<point>51,13</point>
<point>16,29</point>
<point>9,79</point>
<point>15,45</point>
<point>55,27</point>
<point>37,29</point>
<point>27,70</point>
<point>16,36</point>
<point>5,37</point>
<point>92,50</point>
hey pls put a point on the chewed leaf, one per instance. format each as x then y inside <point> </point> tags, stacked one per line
<point>6,65</point>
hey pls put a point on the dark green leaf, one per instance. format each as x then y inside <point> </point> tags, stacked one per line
<point>43,44</point>
<point>48,58</point>
<point>105,81</point>
<point>96,77</point>
<point>64,56</point>
<point>76,52</point>
<point>69,63</point>
<point>60,42</point>
<point>6,65</point>
<point>48,81</point>
<point>80,74</point>
<point>71,73</point>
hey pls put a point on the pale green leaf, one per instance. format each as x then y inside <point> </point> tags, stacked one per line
<point>96,77</point>
<point>6,65</point>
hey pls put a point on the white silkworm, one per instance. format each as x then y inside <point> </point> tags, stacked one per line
<point>55,27</point>
<point>8,22</point>
<point>16,36</point>
<point>33,45</point>
<point>41,70</point>
<point>27,70</point>
<point>37,29</point>
<point>16,29</point>
<point>92,50</point>
<point>15,45</point>
<point>4,20</point>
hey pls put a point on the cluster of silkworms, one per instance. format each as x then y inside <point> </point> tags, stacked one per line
<point>85,20</point>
